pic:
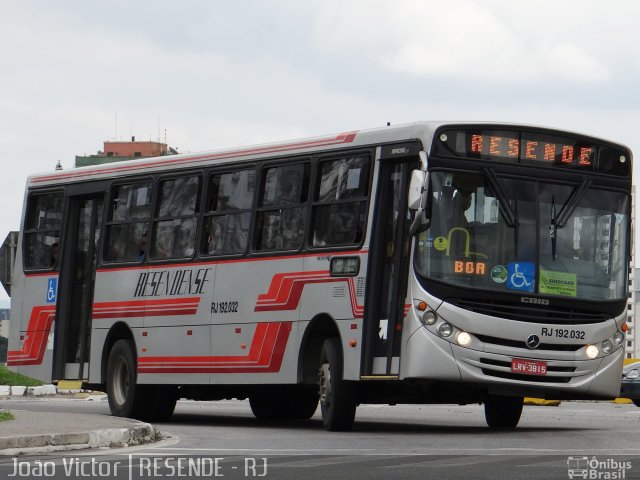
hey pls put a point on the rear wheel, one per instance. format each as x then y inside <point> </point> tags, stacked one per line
<point>636,402</point>
<point>502,412</point>
<point>337,396</point>
<point>162,402</point>
<point>126,399</point>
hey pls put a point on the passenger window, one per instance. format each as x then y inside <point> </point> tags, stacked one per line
<point>128,223</point>
<point>174,228</point>
<point>42,231</point>
<point>340,203</point>
<point>228,217</point>
<point>280,219</point>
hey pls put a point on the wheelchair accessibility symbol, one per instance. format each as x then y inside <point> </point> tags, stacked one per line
<point>52,290</point>
<point>520,276</point>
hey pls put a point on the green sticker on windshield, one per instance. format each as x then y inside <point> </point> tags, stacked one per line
<point>558,283</point>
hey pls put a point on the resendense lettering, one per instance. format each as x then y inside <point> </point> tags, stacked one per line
<point>165,283</point>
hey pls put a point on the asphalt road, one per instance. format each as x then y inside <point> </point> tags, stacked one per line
<point>588,440</point>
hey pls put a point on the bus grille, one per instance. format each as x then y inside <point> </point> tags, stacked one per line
<point>525,378</point>
<point>521,344</point>
<point>531,313</point>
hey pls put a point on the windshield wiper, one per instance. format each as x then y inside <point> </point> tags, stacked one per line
<point>572,203</point>
<point>510,216</point>
<point>553,227</point>
<point>566,211</point>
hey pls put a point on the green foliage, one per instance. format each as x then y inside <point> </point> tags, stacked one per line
<point>10,378</point>
<point>4,415</point>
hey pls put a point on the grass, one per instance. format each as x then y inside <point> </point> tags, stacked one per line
<point>6,416</point>
<point>11,378</point>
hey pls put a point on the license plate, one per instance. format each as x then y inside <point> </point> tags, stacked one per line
<point>528,367</point>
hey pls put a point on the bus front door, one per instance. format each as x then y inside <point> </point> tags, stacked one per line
<point>388,271</point>
<point>75,294</point>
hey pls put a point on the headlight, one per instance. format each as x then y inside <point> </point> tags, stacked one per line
<point>464,339</point>
<point>445,330</point>
<point>429,317</point>
<point>592,351</point>
<point>618,337</point>
<point>631,374</point>
<point>607,346</point>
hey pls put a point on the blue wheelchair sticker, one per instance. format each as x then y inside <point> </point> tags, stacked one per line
<point>52,290</point>
<point>521,276</point>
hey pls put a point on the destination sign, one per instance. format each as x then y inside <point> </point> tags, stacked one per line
<point>534,148</point>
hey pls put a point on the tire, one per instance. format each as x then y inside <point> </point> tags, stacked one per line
<point>126,399</point>
<point>502,412</point>
<point>163,400</point>
<point>291,402</point>
<point>337,396</point>
<point>636,402</point>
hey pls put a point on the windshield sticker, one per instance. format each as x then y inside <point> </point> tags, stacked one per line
<point>440,244</point>
<point>558,283</point>
<point>520,276</point>
<point>499,274</point>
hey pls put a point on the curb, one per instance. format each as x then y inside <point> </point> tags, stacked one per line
<point>107,437</point>
<point>42,390</point>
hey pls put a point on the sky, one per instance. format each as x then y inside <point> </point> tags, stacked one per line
<point>207,74</point>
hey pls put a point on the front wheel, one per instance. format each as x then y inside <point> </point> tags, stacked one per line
<point>502,412</point>
<point>337,396</point>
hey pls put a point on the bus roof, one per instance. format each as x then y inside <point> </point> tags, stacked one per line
<point>389,134</point>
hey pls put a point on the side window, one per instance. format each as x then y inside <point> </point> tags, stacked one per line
<point>176,220</point>
<point>340,202</point>
<point>281,209</point>
<point>128,223</point>
<point>42,230</point>
<point>228,216</point>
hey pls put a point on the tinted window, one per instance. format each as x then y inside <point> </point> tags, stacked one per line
<point>228,218</point>
<point>174,230</point>
<point>128,222</point>
<point>280,221</point>
<point>42,230</point>
<point>340,206</point>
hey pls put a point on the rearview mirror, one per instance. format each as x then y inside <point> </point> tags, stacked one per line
<point>416,189</point>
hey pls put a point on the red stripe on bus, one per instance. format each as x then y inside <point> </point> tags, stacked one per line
<point>269,344</point>
<point>341,138</point>
<point>36,337</point>
<point>286,289</point>
<point>146,308</point>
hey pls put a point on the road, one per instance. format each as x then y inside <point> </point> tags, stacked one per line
<point>444,442</point>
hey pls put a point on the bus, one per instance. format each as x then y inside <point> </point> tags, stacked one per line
<point>422,263</point>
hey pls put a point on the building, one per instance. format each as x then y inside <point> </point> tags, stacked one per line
<point>120,151</point>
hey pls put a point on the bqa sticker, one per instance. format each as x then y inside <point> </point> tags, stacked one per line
<point>52,290</point>
<point>520,276</point>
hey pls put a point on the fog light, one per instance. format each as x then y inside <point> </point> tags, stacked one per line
<point>429,317</point>
<point>445,330</point>
<point>592,351</point>
<point>607,346</point>
<point>618,337</point>
<point>464,339</point>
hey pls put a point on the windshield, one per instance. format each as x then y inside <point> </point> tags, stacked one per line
<point>525,236</point>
